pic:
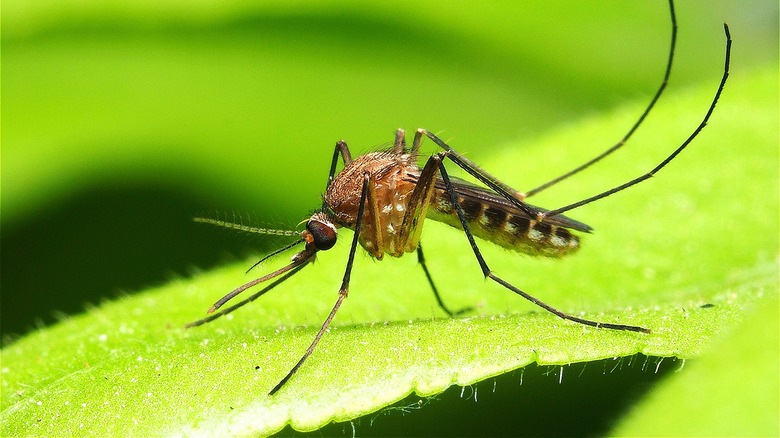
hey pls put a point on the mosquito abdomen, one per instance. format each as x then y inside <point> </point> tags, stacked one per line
<point>511,229</point>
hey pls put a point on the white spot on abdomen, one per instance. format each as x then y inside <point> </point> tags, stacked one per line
<point>535,234</point>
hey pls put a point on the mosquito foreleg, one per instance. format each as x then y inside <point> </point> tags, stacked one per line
<point>343,290</point>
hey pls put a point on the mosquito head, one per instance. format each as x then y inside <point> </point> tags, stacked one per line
<point>320,233</point>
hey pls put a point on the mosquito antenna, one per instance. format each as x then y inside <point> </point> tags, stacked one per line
<point>245,228</point>
<point>630,132</point>
<point>240,304</point>
<point>676,152</point>
<point>300,259</point>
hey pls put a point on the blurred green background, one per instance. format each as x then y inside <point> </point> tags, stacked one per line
<point>122,120</point>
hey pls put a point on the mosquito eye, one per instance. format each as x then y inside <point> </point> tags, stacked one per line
<point>324,234</point>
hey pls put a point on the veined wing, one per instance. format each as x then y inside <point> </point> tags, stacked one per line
<point>491,198</point>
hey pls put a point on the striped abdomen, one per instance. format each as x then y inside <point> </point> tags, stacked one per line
<point>505,225</point>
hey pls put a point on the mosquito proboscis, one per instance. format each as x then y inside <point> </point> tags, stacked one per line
<point>385,197</point>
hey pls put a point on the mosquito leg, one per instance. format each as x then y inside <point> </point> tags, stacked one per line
<point>417,207</point>
<point>489,274</point>
<point>343,291</point>
<point>399,144</point>
<point>414,216</point>
<point>342,150</point>
<point>470,167</point>
<point>674,154</point>
<point>421,261</point>
<point>342,295</point>
<point>374,238</point>
<point>630,132</point>
<point>516,198</point>
<point>510,194</point>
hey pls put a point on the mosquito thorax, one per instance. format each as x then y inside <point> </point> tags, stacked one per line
<point>320,232</point>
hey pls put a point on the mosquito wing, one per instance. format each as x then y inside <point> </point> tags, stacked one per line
<point>493,199</point>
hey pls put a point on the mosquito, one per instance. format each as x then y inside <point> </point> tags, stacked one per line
<point>385,197</point>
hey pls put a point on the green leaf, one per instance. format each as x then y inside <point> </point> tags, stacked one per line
<point>127,367</point>
<point>124,92</point>
<point>740,374</point>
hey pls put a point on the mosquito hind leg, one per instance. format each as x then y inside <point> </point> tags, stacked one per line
<point>489,274</point>
<point>673,155</point>
<point>470,167</point>
<point>636,124</point>
<point>421,261</point>
<point>507,192</point>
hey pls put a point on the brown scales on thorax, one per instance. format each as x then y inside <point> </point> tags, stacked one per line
<point>392,182</point>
